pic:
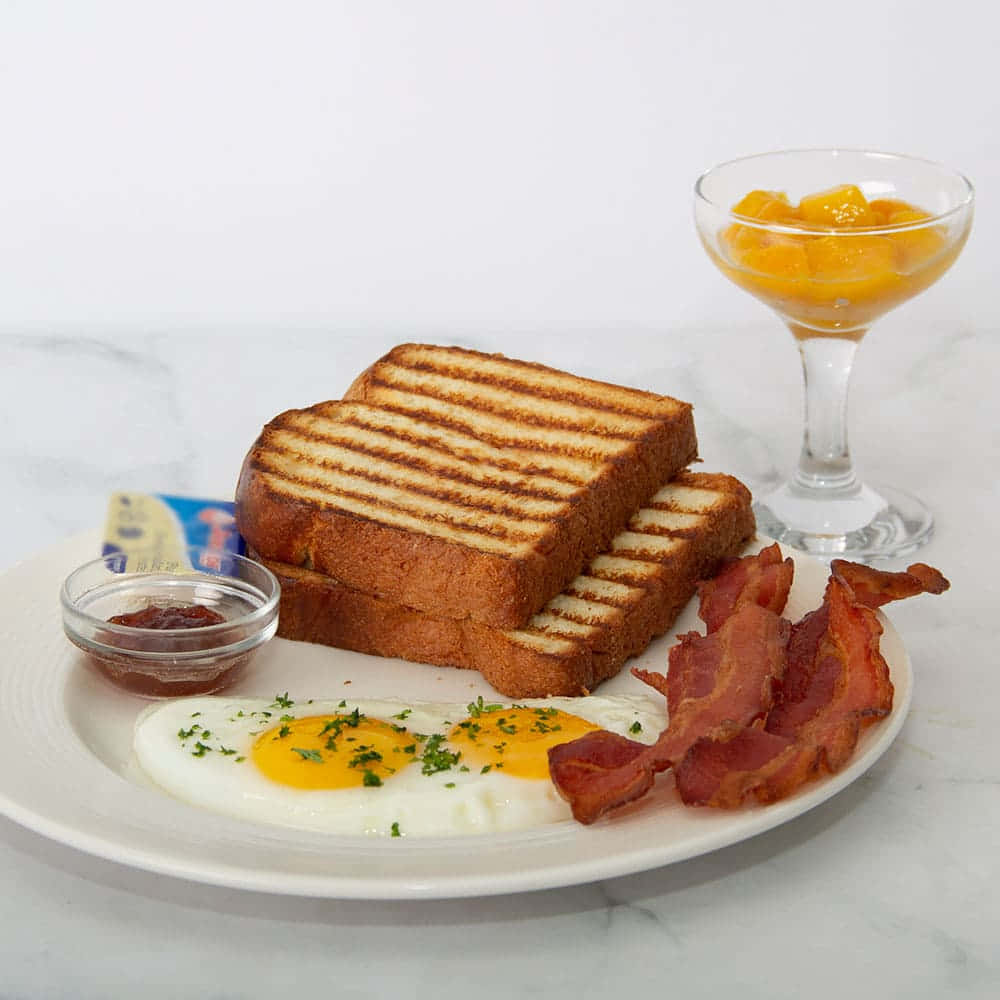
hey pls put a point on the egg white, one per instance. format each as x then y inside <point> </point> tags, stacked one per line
<point>223,777</point>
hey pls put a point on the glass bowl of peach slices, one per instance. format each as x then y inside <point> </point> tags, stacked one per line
<point>831,239</point>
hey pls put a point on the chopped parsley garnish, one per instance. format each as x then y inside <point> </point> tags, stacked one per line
<point>366,755</point>
<point>339,722</point>
<point>541,726</point>
<point>371,780</point>
<point>486,768</point>
<point>186,734</point>
<point>227,751</point>
<point>394,830</point>
<point>636,727</point>
<point>283,732</point>
<point>283,701</point>
<point>309,754</point>
<point>405,714</point>
<point>200,749</point>
<point>434,759</point>
<point>477,707</point>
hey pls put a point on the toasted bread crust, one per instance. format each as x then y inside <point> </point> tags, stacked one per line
<point>532,662</point>
<point>465,558</point>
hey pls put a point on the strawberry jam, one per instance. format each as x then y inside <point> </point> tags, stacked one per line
<point>192,616</point>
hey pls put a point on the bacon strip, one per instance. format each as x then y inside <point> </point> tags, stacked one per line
<point>874,587</point>
<point>729,676</point>
<point>601,770</point>
<point>834,665</point>
<point>725,768</point>
<point>763,579</point>
<point>732,681</point>
<point>836,683</point>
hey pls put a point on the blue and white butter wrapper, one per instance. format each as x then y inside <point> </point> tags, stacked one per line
<point>159,529</point>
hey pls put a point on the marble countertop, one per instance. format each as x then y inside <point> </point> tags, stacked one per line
<point>888,889</point>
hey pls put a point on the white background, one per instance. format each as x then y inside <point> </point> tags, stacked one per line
<point>445,168</point>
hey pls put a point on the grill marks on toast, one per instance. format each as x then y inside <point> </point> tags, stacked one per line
<point>596,601</point>
<point>584,635</point>
<point>533,378</point>
<point>398,517</point>
<point>394,437</point>
<point>500,430</point>
<point>514,403</point>
<point>324,461</point>
<point>523,403</point>
<point>465,447</point>
<point>407,480</point>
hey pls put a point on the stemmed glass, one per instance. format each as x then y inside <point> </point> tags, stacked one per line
<point>829,278</point>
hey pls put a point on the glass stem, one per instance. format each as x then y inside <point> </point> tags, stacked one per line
<point>825,463</point>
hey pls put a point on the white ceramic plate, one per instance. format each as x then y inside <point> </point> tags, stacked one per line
<point>65,739</point>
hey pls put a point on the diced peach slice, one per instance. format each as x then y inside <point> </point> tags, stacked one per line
<point>765,206</point>
<point>783,259</point>
<point>906,215</point>
<point>850,258</point>
<point>915,246</point>
<point>840,206</point>
<point>739,239</point>
<point>885,207</point>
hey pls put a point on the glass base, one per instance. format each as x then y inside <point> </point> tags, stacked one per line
<point>862,523</point>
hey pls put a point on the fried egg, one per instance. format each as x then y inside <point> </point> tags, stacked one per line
<point>376,768</point>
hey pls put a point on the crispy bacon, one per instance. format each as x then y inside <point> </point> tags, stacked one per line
<point>722,769</point>
<point>836,683</point>
<point>834,666</point>
<point>601,771</point>
<point>763,579</point>
<point>731,675</point>
<point>757,707</point>
<point>695,660</point>
<point>874,587</point>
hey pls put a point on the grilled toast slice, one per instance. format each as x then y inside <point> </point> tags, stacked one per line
<point>460,484</point>
<point>625,597</point>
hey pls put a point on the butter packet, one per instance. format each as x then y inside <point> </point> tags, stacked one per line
<point>159,529</point>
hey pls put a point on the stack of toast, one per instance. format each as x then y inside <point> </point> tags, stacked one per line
<point>470,510</point>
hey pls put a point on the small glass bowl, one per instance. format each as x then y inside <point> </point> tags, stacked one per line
<point>170,662</point>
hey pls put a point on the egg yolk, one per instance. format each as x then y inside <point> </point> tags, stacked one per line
<point>515,740</point>
<point>338,751</point>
